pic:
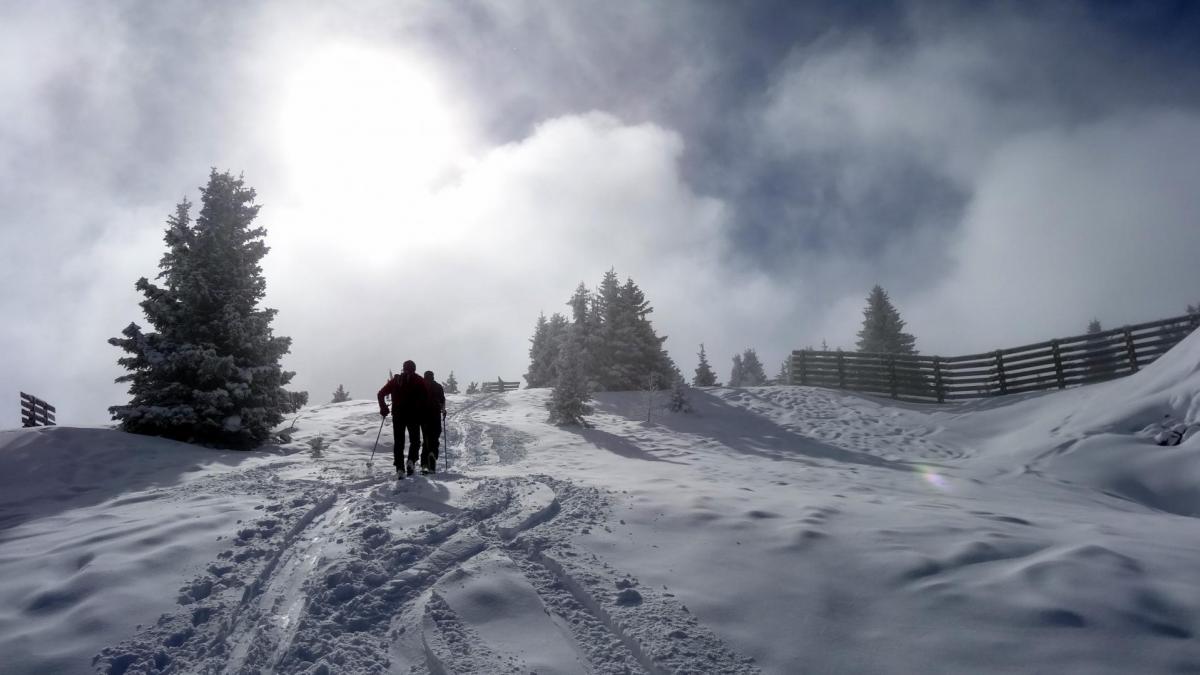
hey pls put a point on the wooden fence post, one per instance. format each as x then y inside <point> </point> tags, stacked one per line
<point>841,363</point>
<point>1058,366</point>
<point>892,373</point>
<point>937,379</point>
<point>1130,350</point>
<point>1000,372</point>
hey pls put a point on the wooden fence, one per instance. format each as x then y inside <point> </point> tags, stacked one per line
<point>499,386</point>
<point>1054,364</point>
<point>35,412</point>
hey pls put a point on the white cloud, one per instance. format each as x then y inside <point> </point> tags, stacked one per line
<point>515,233</point>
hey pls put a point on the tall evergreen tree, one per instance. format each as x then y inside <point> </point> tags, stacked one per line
<point>538,374</point>
<point>705,377</point>
<point>340,395</point>
<point>543,350</point>
<point>753,374</point>
<point>612,340</point>
<point>883,329</point>
<point>450,386</point>
<point>209,371</point>
<point>642,354</point>
<point>738,374</point>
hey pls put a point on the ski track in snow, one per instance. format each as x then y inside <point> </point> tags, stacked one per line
<point>352,574</point>
<point>775,529</point>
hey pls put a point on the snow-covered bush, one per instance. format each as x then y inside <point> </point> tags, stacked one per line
<point>679,398</point>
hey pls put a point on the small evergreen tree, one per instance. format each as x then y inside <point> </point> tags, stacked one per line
<point>340,395</point>
<point>472,388</point>
<point>1097,353</point>
<point>568,403</point>
<point>705,377</point>
<point>753,374</point>
<point>680,401</point>
<point>883,329</point>
<point>784,375</point>
<point>209,372</point>
<point>738,375</point>
<point>450,385</point>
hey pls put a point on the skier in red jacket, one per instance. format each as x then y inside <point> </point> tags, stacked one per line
<point>410,399</point>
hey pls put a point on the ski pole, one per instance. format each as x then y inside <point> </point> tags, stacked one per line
<point>372,459</point>
<point>446,427</point>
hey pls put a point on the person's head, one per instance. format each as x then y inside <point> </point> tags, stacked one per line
<point>429,375</point>
<point>410,367</point>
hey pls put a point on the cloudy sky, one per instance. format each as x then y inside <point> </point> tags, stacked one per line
<point>434,174</point>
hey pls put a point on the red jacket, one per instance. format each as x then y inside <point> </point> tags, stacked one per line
<point>410,396</point>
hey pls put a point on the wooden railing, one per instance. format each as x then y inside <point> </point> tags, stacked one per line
<point>499,386</point>
<point>1054,364</point>
<point>35,412</point>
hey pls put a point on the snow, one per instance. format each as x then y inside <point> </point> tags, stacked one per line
<point>774,529</point>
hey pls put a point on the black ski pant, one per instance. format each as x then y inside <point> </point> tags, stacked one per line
<point>431,430</point>
<point>413,426</point>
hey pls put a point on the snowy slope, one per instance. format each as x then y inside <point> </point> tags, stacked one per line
<point>775,529</point>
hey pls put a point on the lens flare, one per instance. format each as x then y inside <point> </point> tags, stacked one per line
<point>935,479</point>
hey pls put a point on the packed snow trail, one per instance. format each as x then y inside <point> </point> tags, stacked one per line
<point>453,573</point>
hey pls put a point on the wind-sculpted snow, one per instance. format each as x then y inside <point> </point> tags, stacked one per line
<point>775,529</point>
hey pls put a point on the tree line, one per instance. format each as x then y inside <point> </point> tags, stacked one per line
<point>207,368</point>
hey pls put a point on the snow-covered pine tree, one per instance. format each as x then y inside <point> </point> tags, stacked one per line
<point>883,329</point>
<point>558,330</point>
<point>582,327</point>
<point>209,372</point>
<point>753,374</point>
<point>540,365</point>
<point>642,354</point>
<point>472,388</point>
<point>568,404</point>
<point>738,374</point>
<point>613,343</point>
<point>340,395</point>
<point>705,377</point>
<point>543,350</point>
<point>450,385</point>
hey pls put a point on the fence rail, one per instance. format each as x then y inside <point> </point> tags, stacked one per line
<point>35,412</point>
<point>1053,364</point>
<point>499,386</point>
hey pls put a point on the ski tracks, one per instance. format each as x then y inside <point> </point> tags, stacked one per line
<point>381,577</point>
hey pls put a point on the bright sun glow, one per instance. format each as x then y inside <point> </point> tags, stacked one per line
<point>366,136</point>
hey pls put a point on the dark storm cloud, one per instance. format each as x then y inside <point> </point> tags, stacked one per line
<point>709,70</point>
